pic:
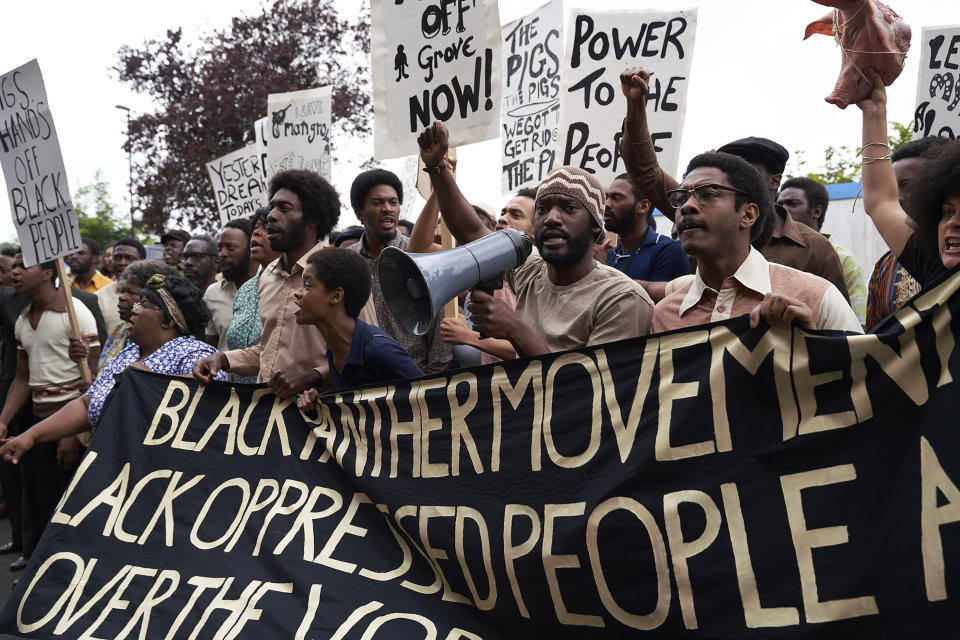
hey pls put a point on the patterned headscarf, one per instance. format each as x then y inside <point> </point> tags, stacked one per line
<point>156,283</point>
<point>578,184</point>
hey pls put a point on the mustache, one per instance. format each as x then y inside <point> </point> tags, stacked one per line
<point>690,222</point>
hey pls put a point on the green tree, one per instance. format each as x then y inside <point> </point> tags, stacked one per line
<point>96,215</point>
<point>842,164</point>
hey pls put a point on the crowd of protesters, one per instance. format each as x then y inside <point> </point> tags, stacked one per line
<point>283,299</point>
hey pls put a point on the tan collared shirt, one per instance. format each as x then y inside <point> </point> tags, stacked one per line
<point>696,303</point>
<point>108,298</point>
<point>219,298</point>
<point>285,345</point>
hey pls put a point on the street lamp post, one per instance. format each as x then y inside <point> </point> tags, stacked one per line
<point>130,163</point>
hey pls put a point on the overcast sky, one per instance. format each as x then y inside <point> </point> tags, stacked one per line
<point>752,74</point>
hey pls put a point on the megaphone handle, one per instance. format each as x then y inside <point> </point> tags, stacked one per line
<point>489,286</point>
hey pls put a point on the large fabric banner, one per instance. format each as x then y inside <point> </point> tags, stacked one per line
<point>532,50</point>
<point>938,86</point>
<point>298,135</point>
<point>237,181</point>
<point>600,46</point>
<point>717,482</point>
<point>36,179</point>
<point>434,61</point>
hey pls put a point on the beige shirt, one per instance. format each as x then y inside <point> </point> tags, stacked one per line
<point>108,299</point>
<point>219,298</point>
<point>601,307</point>
<point>47,349</point>
<point>696,303</point>
<point>285,345</point>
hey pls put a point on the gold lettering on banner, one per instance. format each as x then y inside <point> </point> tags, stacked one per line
<point>165,507</point>
<point>902,369</point>
<point>942,321</point>
<point>516,395</point>
<point>754,613</point>
<point>553,562</point>
<point>229,416</point>
<point>250,612</point>
<point>670,392</point>
<point>234,606</point>
<point>427,424</point>
<point>71,613</point>
<point>111,496</point>
<point>242,447</point>
<point>240,483</point>
<point>655,618</point>
<point>116,603</point>
<point>459,431</point>
<point>255,504</point>
<point>596,420</point>
<point>305,519</point>
<point>775,341</point>
<point>383,576</point>
<point>433,554</point>
<point>280,509</point>
<point>355,616</point>
<point>370,396</point>
<point>118,531</point>
<point>275,422</point>
<point>627,433</point>
<point>464,514</point>
<point>681,550</point>
<point>313,603</point>
<point>511,551</point>
<point>806,383</point>
<point>77,581</point>
<point>344,527</point>
<point>86,461</point>
<point>355,430</point>
<point>398,429</point>
<point>169,410</point>
<point>180,439</point>
<point>323,430</point>
<point>934,479</point>
<point>409,511</point>
<point>141,616</point>
<point>199,584</point>
<point>806,540</point>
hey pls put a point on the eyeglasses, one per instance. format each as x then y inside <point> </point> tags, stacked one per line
<point>705,194</point>
<point>197,256</point>
<point>139,306</point>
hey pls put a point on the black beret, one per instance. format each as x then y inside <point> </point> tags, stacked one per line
<point>767,152</point>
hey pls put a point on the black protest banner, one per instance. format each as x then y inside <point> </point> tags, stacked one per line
<point>712,482</point>
<point>601,45</point>
<point>532,48</point>
<point>33,168</point>
<point>238,183</point>
<point>434,61</point>
<point>938,85</point>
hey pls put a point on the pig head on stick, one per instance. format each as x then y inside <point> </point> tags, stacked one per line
<point>871,35</point>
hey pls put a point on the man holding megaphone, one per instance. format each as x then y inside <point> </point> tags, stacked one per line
<point>565,299</point>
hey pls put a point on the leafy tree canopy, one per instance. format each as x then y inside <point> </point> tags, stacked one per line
<point>842,164</point>
<point>97,217</point>
<point>208,96</point>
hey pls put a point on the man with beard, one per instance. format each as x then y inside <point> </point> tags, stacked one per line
<point>640,252</point>
<point>376,197</point>
<point>200,261</point>
<point>721,208</point>
<point>565,299</point>
<point>236,267</point>
<point>83,271</point>
<point>304,209</point>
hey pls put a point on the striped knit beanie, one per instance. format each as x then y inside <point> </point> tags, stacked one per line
<point>579,184</point>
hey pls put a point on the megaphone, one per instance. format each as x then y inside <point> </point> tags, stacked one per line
<point>417,285</point>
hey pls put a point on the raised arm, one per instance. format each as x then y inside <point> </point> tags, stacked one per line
<point>424,229</point>
<point>881,199</point>
<point>636,145</point>
<point>464,223</point>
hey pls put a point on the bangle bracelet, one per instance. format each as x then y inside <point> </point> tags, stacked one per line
<point>875,144</point>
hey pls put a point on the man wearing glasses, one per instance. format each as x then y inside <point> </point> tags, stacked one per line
<point>200,261</point>
<point>722,209</point>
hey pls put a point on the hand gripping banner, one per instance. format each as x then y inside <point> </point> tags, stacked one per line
<point>715,482</point>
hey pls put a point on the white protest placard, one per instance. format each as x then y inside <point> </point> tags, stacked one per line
<point>938,86</point>
<point>434,61</point>
<point>298,135</point>
<point>260,128</point>
<point>37,186</point>
<point>238,185</point>
<point>532,54</point>
<point>600,45</point>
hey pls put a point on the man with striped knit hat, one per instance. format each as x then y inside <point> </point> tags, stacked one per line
<point>565,299</point>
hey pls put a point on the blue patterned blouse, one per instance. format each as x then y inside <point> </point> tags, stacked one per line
<point>174,357</point>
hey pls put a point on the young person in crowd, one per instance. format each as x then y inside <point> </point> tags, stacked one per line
<point>245,325</point>
<point>304,209</point>
<point>237,268</point>
<point>83,270</point>
<point>565,299</point>
<point>720,209</point>
<point>806,200</point>
<point>336,286</point>
<point>376,196</point>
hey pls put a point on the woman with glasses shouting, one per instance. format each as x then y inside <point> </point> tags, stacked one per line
<point>166,325</point>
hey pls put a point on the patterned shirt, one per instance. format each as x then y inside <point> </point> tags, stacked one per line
<point>429,351</point>
<point>174,357</point>
<point>116,342</point>
<point>853,274</point>
<point>244,329</point>
<point>890,288</point>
